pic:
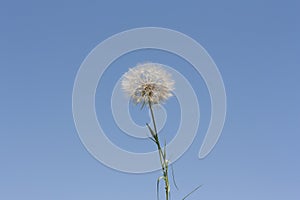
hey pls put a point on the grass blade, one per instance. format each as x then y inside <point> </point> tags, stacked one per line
<point>174,177</point>
<point>191,192</point>
<point>151,131</point>
<point>157,186</point>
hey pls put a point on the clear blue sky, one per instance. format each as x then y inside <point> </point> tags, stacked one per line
<point>256,46</point>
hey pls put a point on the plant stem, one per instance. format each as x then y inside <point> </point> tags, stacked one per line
<point>162,156</point>
<point>152,115</point>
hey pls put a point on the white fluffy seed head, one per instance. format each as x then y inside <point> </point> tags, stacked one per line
<point>148,83</point>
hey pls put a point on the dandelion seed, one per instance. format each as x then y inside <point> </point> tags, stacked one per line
<point>148,83</point>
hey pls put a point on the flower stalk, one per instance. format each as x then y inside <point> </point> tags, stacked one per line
<point>162,154</point>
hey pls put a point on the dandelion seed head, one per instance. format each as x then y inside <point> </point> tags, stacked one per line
<point>148,83</point>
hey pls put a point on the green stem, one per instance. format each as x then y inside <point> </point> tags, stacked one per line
<point>162,156</point>
<point>152,115</point>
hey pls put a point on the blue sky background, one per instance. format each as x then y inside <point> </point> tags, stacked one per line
<point>255,45</point>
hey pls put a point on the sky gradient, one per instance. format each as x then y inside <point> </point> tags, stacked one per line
<point>255,46</point>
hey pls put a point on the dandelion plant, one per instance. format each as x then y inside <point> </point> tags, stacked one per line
<point>149,84</point>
